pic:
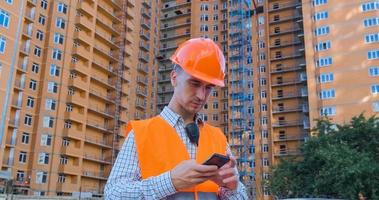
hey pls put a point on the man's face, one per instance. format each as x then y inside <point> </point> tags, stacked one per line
<point>190,93</point>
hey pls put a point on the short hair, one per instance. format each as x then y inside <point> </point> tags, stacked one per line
<point>177,68</point>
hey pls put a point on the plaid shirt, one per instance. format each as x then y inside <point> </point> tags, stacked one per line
<point>125,181</point>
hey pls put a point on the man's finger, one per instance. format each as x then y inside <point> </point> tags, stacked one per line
<point>230,179</point>
<point>205,168</point>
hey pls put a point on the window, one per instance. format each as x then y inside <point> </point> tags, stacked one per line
<point>319,2</point>
<point>45,140</point>
<point>3,44</point>
<point>323,30</point>
<point>262,56</point>
<point>215,27</point>
<point>375,89</point>
<point>4,18</point>
<point>374,54</point>
<point>204,18</point>
<point>52,87</point>
<point>264,134</point>
<point>28,120</point>
<point>250,84</point>
<point>65,142</point>
<point>264,120</point>
<point>373,71</point>
<point>370,6</point>
<point>30,102</point>
<point>325,78</point>
<point>204,28</point>
<point>69,108</point>
<point>41,19</point>
<point>39,35</point>
<point>20,176</point>
<point>37,51</point>
<point>62,8</point>
<point>263,107</point>
<point>321,15</point>
<point>215,38</point>
<point>25,138</point>
<point>44,4</point>
<point>35,68</point>
<point>265,147</point>
<point>9,1</point>
<point>54,70</point>
<point>328,111</point>
<point>215,17</point>
<point>39,193</point>
<point>48,122</point>
<point>375,106</point>
<point>250,110</point>
<point>204,7</point>
<point>215,105</point>
<point>323,62</point>
<point>327,94</point>
<point>265,162</point>
<point>261,20</point>
<point>371,38</point>
<point>215,93</point>
<point>215,117</point>
<point>60,23</point>
<point>57,54</point>
<point>67,124</point>
<point>262,68</point>
<point>58,38</point>
<point>22,157</point>
<point>321,46</point>
<point>63,160</point>
<point>215,6</point>
<point>263,81</point>
<point>50,104</point>
<point>41,177</point>
<point>71,91</point>
<point>43,158</point>
<point>371,22</point>
<point>263,94</point>
<point>61,178</point>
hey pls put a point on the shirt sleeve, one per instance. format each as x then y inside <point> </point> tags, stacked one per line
<point>125,181</point>
<point>239,193</point>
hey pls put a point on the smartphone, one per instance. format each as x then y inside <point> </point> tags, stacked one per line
<point>217,159</point>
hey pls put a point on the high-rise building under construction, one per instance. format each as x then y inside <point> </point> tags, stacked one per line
<point>73,72</point>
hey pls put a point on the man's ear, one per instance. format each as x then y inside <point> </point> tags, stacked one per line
<point>173,76</point>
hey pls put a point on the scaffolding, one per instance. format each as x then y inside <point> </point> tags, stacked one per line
<point>241,96</point>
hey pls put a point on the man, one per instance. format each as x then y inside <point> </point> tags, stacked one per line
<point>162,157</point>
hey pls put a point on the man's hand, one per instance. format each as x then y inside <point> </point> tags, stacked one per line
<point>188,174</point>
<point>227,175</point>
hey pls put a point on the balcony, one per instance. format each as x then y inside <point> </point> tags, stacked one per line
<point>145,23</point>
<point>108,53</point>
<point>287,152</point>
<point>29,16</point>
<point>146,13</point>
<point>109,12</point>
<point>77,98</point>
<point>77,115</point>
<point>86,8</point>
<point>94,175</point>
<point>287,18</point>
<point>32,2</point>
<point>141,104</point>
<point>25,49</point>
<point>99,159</point>
<point>283,6</point>
<point>141,92</point>
<point>164,79</point>
<point>70,168</point>
<point>84,22</point>
<point>286,43</point>
<point>109,83</point>
<point>104,66</point>
<point>168,48</point>
<point>98,142</point>
<point>290,137</point>
<point>175,16</point>
<point>284,57</point>
<point>14,123</point>
<point>81,52</point>
<point>144,45</point>
<point>83,36</point>
<point>176,6</point>
<point>17,103</point>
<point>167,28</point>
<point>300,66</point>
<point>163,102</point>
<point>143,57</point>
<point>131,3</point>
<point>300,108</point>
<point>71,151</point>
<point>171,37</point>
<point>108,39</point>
<point>146,3</point>
<point>108,113</point>
<point>130,13</point>
<point>165,91</point>
<point>108,97</point>
<point>100,126</point>
<point>286,82</point>
<point>28,31</point>
<point>165,68</point>
<point>144,34</point>
<point>107,24</point>
<point>67,187</point>
<point>143,68</point>
<point>142,80</point>
<point>20,85</point>
<point>286,123</point>
<point>115,5</point>
<point>285,31</point>
<point>290,95</point>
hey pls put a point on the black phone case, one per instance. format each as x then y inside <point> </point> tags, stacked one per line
<point>217,159</point>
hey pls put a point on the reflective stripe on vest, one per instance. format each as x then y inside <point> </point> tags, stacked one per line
<point>191,196</point>
<point>160,149</point>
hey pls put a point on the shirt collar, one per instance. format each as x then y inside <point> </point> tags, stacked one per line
<point>173,118</point>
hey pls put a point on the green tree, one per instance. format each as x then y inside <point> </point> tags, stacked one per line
<point>340,162</point>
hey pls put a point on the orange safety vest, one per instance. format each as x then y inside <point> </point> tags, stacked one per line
<point>160,149</point>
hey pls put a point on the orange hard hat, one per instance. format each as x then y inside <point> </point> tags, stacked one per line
<point>203,59</point>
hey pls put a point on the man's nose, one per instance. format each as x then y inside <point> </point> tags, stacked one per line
<point>201,93</point>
